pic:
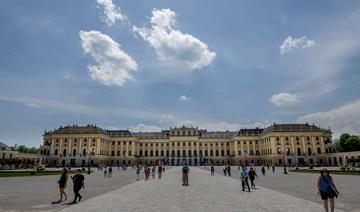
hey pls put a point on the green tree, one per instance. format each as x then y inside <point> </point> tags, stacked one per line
<point>25,149</point>
<point>347,143</point>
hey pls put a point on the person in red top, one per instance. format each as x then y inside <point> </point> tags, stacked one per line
<point>147,172</point>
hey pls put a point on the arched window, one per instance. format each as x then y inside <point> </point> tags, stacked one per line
<point>56,152</point>
<point>309,151</point>
<point>64,152</point>
<point>298,151</point>
<point>74,152</point>
<point>319,150</point>
<point>84,152</point>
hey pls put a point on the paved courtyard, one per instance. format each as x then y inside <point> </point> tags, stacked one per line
<point>303,185</point>
<point>37,193</point>
<point>205,193</point>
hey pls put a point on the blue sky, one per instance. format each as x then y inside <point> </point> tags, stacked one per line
<point>149,65</point>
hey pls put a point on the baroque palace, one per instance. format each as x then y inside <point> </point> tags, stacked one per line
<point>278,144</point>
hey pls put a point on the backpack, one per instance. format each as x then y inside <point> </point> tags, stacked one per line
<point>185,169</point>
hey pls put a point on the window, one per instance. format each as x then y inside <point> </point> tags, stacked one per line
<point>319,150</point>
<point>277,138</point>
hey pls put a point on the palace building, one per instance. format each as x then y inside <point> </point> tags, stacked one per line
<point>278,144</point>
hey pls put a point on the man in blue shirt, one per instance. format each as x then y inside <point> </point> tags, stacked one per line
<point>245,179</point>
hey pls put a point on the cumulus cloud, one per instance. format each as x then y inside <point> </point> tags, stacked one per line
<point>113,64</point>
<point>112,13</point>
<point>291,43</point>
<point>184,98</point>
<point>343,119</point>
<point>284,99</point>
<point>172,46</point>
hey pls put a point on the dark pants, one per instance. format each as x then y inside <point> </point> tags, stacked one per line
<point>76,192</point>
<point>245,182</point>
<point>252,182</point>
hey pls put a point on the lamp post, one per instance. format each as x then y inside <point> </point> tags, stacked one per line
<point>284,152</point>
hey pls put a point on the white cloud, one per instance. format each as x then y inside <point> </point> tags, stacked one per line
<point>291,43</point>
<point>184,98</point>
<point>145,128</point>
<point>111,12</point>
<point>114,65</point>
<point>172,46</point>
<point>33,105</point>
<point>284,99</point>
<point>210,124</point>
<point>343,119</point>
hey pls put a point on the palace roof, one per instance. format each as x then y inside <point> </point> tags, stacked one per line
<point>294,127</point>
<point>250,132</point>
<point>75,129</point>
<point>120,133</point>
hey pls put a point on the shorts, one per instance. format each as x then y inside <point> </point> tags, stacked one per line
<point>326,195</point>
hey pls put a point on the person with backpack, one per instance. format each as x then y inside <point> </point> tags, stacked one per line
<point>185,175</point>
<point>327,189</point>
<point>212,169</point>
<point>244,179</point>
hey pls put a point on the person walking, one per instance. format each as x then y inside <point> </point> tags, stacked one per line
<point>224,170</point>
<point>252,175</point>
<point>244,179</point>
<point>138,170</point>
<point>160,170</point>
<point>185,175</point>
<point>78,180</point>
<point>327,189</point>
<point>153,170</point>
<point>229,170</point>
<point>110,172</point>
<point>263,170</point>
<point>105,172</point>
<point>273,168</point>
<point>212,169</point>
<point>62,184</point>
<point>147,172</point>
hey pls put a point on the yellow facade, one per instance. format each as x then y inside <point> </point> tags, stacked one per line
<point>290,143</point>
